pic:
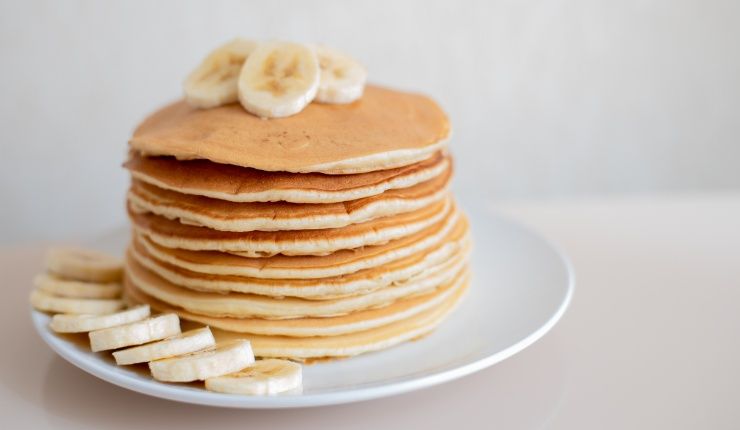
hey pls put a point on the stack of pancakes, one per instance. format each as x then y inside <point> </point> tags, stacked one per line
<point>330,233</point>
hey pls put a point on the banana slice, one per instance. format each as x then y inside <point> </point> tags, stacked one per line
<point>269,376</point>
<point>65,305</point>
<point>226,357</point>
<point>135,333</point>
<point>214,81</point>
<point>342,78</point>
<point>84,265</point>
<point>279,79</point>
<point>82,290</point>
<point>83,323</point>
<point>184,343</point>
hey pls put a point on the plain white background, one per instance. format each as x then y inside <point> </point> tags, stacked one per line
<point>547,98</point>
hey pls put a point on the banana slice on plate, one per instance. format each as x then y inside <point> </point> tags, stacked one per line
<point>342,78</point>
<point>135,333</point>
<point>226,357</point>
<point>62,323</point>
<point>270,376</point>
<point>57,286</point>
<point>84,265</point>
<point>214,82</point>
<point>279,79</point>
<point>183,343</point>
<point>65,305</point>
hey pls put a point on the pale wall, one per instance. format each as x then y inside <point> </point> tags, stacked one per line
<point>548,98</point>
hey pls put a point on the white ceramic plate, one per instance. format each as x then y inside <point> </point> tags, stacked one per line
<point>521,287</point>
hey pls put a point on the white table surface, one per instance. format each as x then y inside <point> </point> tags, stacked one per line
<point>652,340</point>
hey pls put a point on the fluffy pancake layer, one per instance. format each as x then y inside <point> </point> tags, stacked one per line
<point>240,305</point>
<point>173,234</point>
<point>384,129</point>
<point>238,184</point>
<point>348,344</point>
<point>318,326</point>
<point>357,283</point>
<point>303,267</point>
<point>239,217</point>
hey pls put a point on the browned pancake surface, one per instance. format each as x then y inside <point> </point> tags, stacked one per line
<point>381,121</point>
<point>306,324</point>
<point>456,235</point>
<point>228,179</point>
<point>226,210</point>
<point>171,228</point>
<point>345,256</point>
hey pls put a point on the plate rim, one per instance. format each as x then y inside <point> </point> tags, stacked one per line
<point>81,359</point>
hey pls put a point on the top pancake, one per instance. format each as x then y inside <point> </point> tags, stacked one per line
<point>383,129</point>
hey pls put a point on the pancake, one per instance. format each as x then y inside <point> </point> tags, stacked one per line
<point>269,216</point>
<point>360,282</point>
<point>173,234</point>
<point>241,305</point>
<point>303,267</point>
<point>239,184</point>
<point>307,327</point>
<point>347,345</point>
<point>383,129</point>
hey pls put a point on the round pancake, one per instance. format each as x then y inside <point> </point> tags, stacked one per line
<point>302,267</point>
<point>307,327</point>
<point>239,184</point>
<point>241,305</point>
<point>173,234</point>
<point>269,216</point>
<point>383,129</point>
<point>360,282</point>
<point>302,348</point>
